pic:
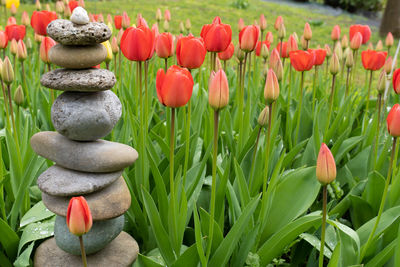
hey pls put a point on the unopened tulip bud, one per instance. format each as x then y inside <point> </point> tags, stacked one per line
<point>349,58</point>
<point>188,25</point>
<point>126,21</point>
<point>356,41</point>
<point>158,15</point>
<point>307,32</point>
<point>119,36</point>
<point>166,25</point>
<point>7,72</point>
<point>263,22</point>
<point>263,117</point>
<point>109,25</point>
<point>379,46</point>
<point>25,20</point>
<point>370,46</point>
<point>218,91</point>
<point>181,27</point>
<point>79,217</point>
<point>282,31</point>
<point>38,5</point>
<point>19,96</point>
<point>278,22</point>
<point>107,45</point>
<point>265,69</point>
<point>110,19</point>
<point>239,53</point>
<point>38,38</point>
<point>13,10</point>
<point>295,36</point>
<point>278,69</point>
<point>114,45</point>
<point>59,7</point>
<point>335,34</point>
<point>326,166</point>
<point>22,54</point>
<point>389,40</point>
<point>269,37</point>
<point>47,7</point>
<point>1,66</point>
<point>67,12</point>
<point>255,23</point>
<point>393,121</point>
<point>264,51</point>
<point>338,51</point>
<point>81,3</point>
<point>345,42</point>
<point>388,65</point>
<point>381,82</point>
<point>334,65</point>
<point>29,43</point>
<point>241,24</point>
<point>14,47</point>
<point>218,65</point>
<point>271,88</point>
<point>328,51</point>
<point>304,44</point>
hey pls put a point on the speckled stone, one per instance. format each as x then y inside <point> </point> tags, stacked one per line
<point>99,236</point>
<point>121,252</point>
<point>87,80</point>
<point>105,204</point>
<point>85,116</point>
<point>68,33</point>
<point>58,181</point>
<point>77,57</point>
<point>79,16</point>
<point>96,156</point>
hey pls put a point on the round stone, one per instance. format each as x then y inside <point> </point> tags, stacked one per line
<point>77,57</point>
<point>96,156</point>
<point>58,181</point>
<point>105,204</point>
<point>79,16</point>
<point>99,236</point>
<point>86,80</point>
<point>121,252</point>
<point>68,33</point>
<point>85,116</point>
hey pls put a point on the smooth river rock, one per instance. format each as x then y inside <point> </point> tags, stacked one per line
<point>79,16</point>
<point>86,116</point>
<point>99,236</point>
<point>121,252</point>
<point>86,80</point>
<point>58,181</point>
<point>68,33</point>
<point>96,156</point>
<point>77,57</point>
<point>105,204</point>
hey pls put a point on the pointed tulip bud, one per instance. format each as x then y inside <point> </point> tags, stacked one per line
<point>7,72</point>
<point>278,69</point>
<point>281,31</point>
<point>381,82</point>
<point>389,40</point>
<point>158,15</point>
<point>38,5</point>
<point>218,65</point>
<point>356,41</point>
<point>19,96</point>
<point>25,20</point>
<point>263,117</point>
<point>271,89</point>
<point>307,32</point>
<point>326,166</point>
<point>292,44</point>
<point>107,45</point>
<point>29,43</point>
<point>218,90</point>
<point>264,51</point>
<point>241,24</point>
<point>45,46</point>
<point>13,10</point>
<point>38,38</point>
<point>22,54</point>
<point>67,12</point>
<point>328,51</point>
<point>345,42</point>
<point>338,51</point>
<point>59,7</point>
<point>181,27</point>
<point>269,37</point>
<point>303,42</point>
<point>370,46</point>
<point>334,65</point>
<point>81,3</point>
<point>379,46</point>
<point>166,25</point>
<point>335,34</point>
<point>349,58</point>
<point>126,21</point>
<point>188,25</point>
<point>278,22</point>
<point>388,65</point>
<point>239,53</point>
<point>119,36</point>
<point>114,45</point>
<point>79,217</point>
<point>14,47</point>
<point>393,121</point>
<point>265,69</point>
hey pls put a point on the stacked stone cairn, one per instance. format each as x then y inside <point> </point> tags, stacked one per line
<point>85,165</point>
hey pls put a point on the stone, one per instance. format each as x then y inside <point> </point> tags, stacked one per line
<point>99,236</point>
<point>68,33</point>
<point>79,16</point>
<point>85,116</point>
<point>121,252</point>
<point>105,204</point>
<point>77,57</point>
<point>86,80</point>
<point>96,156</point>
<point>58,181</point>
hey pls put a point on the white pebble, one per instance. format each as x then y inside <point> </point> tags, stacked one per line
<point>80,16</point>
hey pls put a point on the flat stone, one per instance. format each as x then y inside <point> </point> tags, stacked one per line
<point>121,252</point>
<point>77,57</point>
<point>68,33</point>
<point>99,236</point>
<point>86,116</point>
<point>96,156</point>
<point>105,204</point>
<point>86,80</point>
<point>58,181</point>
<point>79,16</point>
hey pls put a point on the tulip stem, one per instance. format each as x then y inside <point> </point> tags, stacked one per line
<point>383,200</point>
<point>314,89</point>
<point>241,102</point>
<point>12,114</point>
<point>367,104</point>
<point>165,64</point>
<point>254,159</point>
<point>331,98</point>
<point>213,185</point>
<point>83,253</point>
<point>289,99</point>
<point>172,179</point>
<point>326,67</point>
<point>225,66</point>
<point>375,147</point>
<point>187,142</point>
<point>300,103</point>
<point>321,250</point>
<point>347,82</point>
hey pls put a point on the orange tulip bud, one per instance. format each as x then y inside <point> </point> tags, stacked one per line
<point>271,89</point>
<point>263,22</point>
<point>79,217</point>
<point>278,22</point>
<point>335,34</point>
<point>388,65</point>
<point>334,65</point>
<point>389,40</point>
<point>22,54</point>
<point>248,38</point>
<point>218,90</point>
<point>356,41</point>
<point>326,166</point>
<point>45,46</point>
<point>114,45</point>
<point>307,32</point>
<point>381,82</point>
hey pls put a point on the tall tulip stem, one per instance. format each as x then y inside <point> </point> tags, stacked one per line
<point>383,201</point>
<point>5,103</point>
<point>12,113</point>
<point>241,101</point>
<point>165,64</point>
<point>375,147</point>
<point>300,103</point>
<point>83,253</point>
<point>187,136</point>
<point>347,82</point>
<point>251,179</point>
<point>171,154</point>
<point>314,89</point>
<point>331,98</point>
<point>367,100</point>
<point>323,226</point>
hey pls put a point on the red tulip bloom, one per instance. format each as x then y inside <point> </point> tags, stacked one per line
<point>248,38</point>
<point>79,217</point>
<point>393,121</point>
<point>40,20</point>
<point>320,55</point>
<point>396,81</point>
<point>285,53</point>
<point>175,87</point>
<point>373,60</point>
<point>302,60</point>
<point>363,29</point>
<point>164,45</point>
<point>16,32</point>
<point>137,44</point>
<point>335,35</point>
<point>217,36</point>
<point>190,52</point>
<point>228,53</point>
<point>3,40</point>
<point>118,21</point>
<point>72,4</point>
<point>259,45</point>
<point>45,46</point>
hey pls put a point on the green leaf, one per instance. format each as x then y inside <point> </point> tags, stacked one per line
<point>189,258</point>
<point>316,243</point>
<point>37,213</point>
<point>383,256</point>
<point>8,239</point>
<point>23,259</point>
<point>36,231</point>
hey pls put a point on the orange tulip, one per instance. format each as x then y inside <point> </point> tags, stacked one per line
<point>218,90</point>
<point>271,88</point>
<point>228,53</point>
<point>326,166</point>
<point>45,46</point>
<point>335,34</point>
<point>164,45</point>
<point>137,44</point>
<point>79,217</point>
<point>364,30</point>
<point>278,22</point>
<point>396,81</point>
<point>190,52</point>
<point>373,60</point>
<point>302,60</point>
<point>3,40</point>
<point>248,38</point>
<point>389,40</point>
<point>217,36</point>
<point>393,121</point>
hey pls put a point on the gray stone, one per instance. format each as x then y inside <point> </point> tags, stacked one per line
<point>58,181</point>
<point>79,16</point>
<point>105,204</point>
<point>85,116</point>
<point>99,236</point>
<point>86,80</point>
<point>77,57</point>
<point>68,33</point>
<point>96,156</point>
<point>121,252</point>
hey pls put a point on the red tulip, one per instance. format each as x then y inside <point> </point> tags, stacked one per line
<point>302,60</point>
<point>217,36</point>
<point>72,4</point>
<point>259,45</point>
<point>3,40</point>
<point>175,87</point>
<point>320,55</point>
<point>45,46</point>
<point>164,45</point>
<point>16,32</point>
<point>326,166</point>
<point>285,53</point>
<point>79,217</point>
<point>40,20</point>
<point>396,81</point>
<point>228,53</point>
<point>118,21</point>
<point>269,37</point>
<point>190,52</point>
<point>137,44</point>
<point>11,21</point>
<point>335,34</point>
<point>363,29</point>
<point>373,60</point>
<point>389,40</point>
<point>278,22</point>
<point>356,41</point>
<point>393,121</point>
<point>218,90</point>
<point>248,38</point>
